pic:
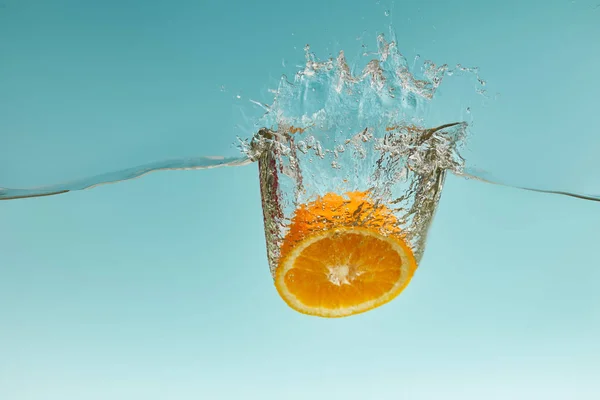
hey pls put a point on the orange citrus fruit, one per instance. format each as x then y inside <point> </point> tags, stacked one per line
<point>343,256</point>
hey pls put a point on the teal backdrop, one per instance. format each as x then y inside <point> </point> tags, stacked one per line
<point>159,288</point>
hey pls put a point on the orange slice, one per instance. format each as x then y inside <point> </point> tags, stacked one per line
<point>343,256</point>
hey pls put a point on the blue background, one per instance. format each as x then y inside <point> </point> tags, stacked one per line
<point>159,288</point>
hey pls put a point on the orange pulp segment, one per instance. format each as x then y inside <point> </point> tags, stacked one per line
<point>343,256</point>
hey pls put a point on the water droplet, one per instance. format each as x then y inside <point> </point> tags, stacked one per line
<point>238,96</point>
<point>469,110</point>
<point>387,13</point>
<point>222,88</point>
<point>302,147</point>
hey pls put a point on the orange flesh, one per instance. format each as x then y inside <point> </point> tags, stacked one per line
<point>333,211</point>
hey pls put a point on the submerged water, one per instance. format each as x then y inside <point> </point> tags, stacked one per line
<point>333,115</point>
<point>401,168</point>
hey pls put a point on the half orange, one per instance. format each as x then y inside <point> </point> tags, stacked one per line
<point>343,256</point>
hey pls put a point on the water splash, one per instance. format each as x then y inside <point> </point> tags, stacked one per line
<point>326,93</point>
<point>347,108</point>
<point>332,130</point>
